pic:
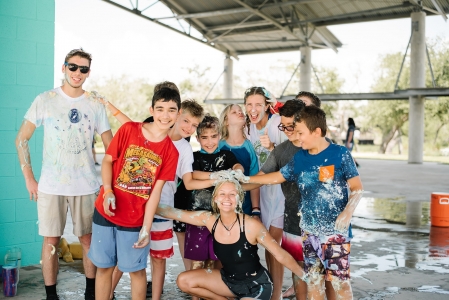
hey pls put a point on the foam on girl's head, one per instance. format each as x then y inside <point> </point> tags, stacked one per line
<point>239,198</point>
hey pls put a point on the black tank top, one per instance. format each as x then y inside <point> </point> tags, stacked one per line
<point>240,260</point>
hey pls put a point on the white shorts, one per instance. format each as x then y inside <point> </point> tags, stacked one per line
<point>272,206</point>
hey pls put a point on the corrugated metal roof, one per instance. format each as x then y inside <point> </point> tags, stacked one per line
<point>239,27</point>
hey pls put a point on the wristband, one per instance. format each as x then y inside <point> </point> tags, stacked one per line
<point>255,213</point>
<point>116,113</point>
<point>107,191</point>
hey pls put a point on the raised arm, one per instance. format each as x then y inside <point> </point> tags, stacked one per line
<point>197,218</point>
<point>118,114</point>
<point>344,219</point>
<point>263,237</point>
<point>25,133</point>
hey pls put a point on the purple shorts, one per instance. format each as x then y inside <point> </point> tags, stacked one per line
<point>199,244</point>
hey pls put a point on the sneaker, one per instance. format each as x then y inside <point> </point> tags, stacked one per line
<point>150,289</point>
<point>89,295</point>
<point>52,297</point>
<point>97,164</point>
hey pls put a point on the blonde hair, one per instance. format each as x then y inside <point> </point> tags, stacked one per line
<point>193,108</point>
<point>224,131</point>
<point>240,192</point>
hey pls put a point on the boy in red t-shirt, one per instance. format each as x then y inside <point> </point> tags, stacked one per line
<point>138,162</point>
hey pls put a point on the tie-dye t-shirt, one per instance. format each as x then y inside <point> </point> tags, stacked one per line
<point>68,166</point>
<point>322,181</point>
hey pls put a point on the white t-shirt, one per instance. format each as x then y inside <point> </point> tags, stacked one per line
<point>68,167</point>
<point>184,166</point>
<point>272,200</point>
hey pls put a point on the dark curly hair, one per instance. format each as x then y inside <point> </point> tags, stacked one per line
<point>315,100</point>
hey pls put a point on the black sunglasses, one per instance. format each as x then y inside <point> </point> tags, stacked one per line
<point>74,67</point>
<point>288,128</point>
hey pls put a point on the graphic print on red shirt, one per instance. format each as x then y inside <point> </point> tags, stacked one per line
<point>136,166</point>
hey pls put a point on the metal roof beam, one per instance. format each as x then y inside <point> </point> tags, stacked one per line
<point>440,10</point>
<point>320,35</point>
<point>268,18</point>
<point>233,10</point>
<point>138,13</point>
<point>397,95</point>
<point>277,50</point>
<point>355,14</point>
<point>244,25</point>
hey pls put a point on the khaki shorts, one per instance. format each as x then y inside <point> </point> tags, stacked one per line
<point>52,213</point>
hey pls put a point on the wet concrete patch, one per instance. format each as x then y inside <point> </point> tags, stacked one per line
<point>386,265</point>
<point>394,211</point>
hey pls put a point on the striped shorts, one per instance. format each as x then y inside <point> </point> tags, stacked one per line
<point>161,235</point>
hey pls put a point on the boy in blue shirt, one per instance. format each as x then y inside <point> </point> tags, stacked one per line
<point>323,173</point>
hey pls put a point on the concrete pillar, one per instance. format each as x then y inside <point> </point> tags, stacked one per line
<point>305,69</point>
<point>227,86</point>
<point>417,80</point>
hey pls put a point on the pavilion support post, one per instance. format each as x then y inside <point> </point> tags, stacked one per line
<point>305,69</point>
<point>228,70</point>
<point>417,80</point>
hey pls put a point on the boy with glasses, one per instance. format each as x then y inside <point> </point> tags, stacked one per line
<point>70,117</point>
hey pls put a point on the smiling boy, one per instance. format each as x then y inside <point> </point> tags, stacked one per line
<point>198,243</point>
<point>323,172</point>
<point>70,117</point>
<point>138,162</point>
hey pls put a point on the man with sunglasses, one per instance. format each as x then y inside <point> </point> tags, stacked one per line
<point>70,117</point>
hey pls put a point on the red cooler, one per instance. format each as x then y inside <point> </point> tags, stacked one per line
<point>439,209</point>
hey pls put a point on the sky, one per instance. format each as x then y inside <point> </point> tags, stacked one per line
<point>121,43</point>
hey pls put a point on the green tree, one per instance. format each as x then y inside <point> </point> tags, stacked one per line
<point>133,97</point>
<point>391,116</point>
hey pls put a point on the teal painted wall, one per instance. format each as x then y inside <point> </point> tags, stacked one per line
<point>27,31</point>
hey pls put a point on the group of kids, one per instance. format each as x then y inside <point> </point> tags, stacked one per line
<point>292,198</point>
<point>270,177</point>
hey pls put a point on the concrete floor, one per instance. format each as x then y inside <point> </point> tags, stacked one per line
<point>396,254</point>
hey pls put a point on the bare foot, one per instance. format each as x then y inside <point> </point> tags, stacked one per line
<point>289,292</point>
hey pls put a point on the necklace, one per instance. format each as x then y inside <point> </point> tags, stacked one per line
<point>230,226</point>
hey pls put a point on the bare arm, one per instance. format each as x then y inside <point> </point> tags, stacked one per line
<point>119,115</point>
<point>106,137</point>
<point>201,175</point>
<point>261,235</point>
<point>350,136</point>
<point>270,178</point>
<point>25,133</point>
<point>197,218</point>
<point>344,219</point>
<point>150,211</point>
<point>238,167</point>
<point>193,184</point>
<point>255,197</point>
<point>106,177</point>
